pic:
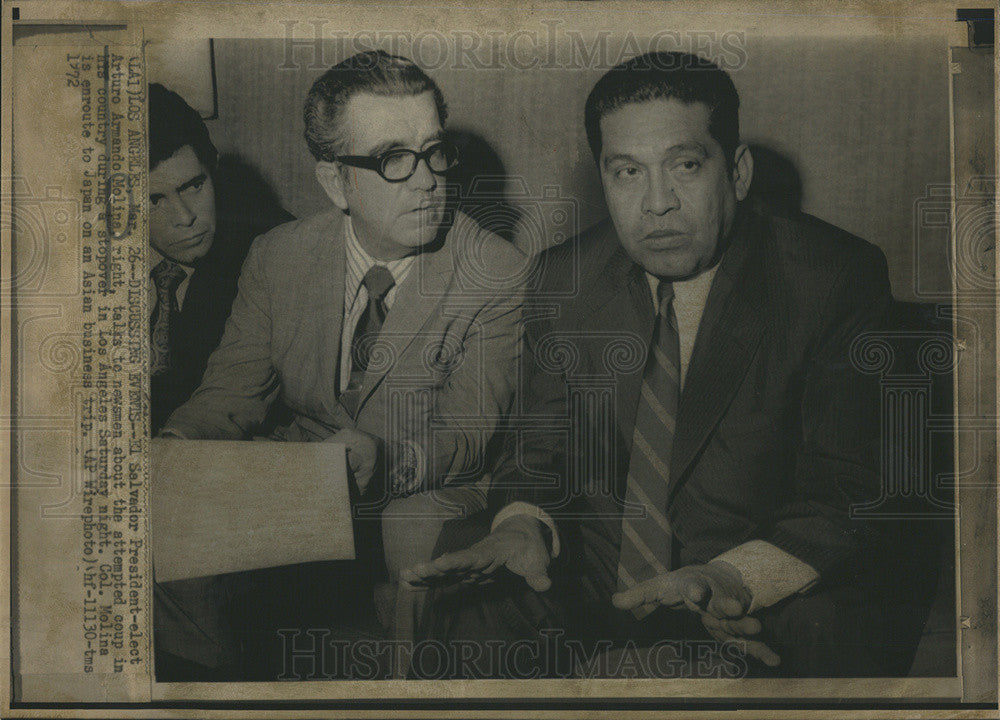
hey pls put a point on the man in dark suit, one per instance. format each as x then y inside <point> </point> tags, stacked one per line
<point>695,432</point>
<point>203,215</point>
<point>201,224</point>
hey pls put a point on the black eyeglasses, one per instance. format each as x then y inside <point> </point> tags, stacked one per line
<point>398,165</point>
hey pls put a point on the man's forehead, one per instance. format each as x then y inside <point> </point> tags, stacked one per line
<point>176,170</point>
<point>656,125</point>
<point>373,121</point>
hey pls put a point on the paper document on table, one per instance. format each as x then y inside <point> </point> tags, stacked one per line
<point>226,506</point>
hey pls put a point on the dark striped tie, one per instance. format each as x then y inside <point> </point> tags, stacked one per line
<point>378,281</point>
<point>645,547</point>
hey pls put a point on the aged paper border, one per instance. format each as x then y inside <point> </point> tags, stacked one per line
<point>188,19</point>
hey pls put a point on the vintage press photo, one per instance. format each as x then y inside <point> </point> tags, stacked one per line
<point>500,361</point>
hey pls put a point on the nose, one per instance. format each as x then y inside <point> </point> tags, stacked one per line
<point>423,178</point>
<point>660,197</point>
<point>183,215</point>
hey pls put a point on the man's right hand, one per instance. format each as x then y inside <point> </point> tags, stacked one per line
<point>740,631</point>
<point>362,454</point>
<point>516,544</point>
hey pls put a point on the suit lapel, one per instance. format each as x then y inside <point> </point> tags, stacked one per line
<point>618,298</point>
<point>416,301</point>
<point>730,331</point>
<point>604,291</point>
<point>331,263</point>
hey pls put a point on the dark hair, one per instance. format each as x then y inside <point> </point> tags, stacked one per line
<point>172,125</point>
<point>664,75</point>
<point>373,71</point>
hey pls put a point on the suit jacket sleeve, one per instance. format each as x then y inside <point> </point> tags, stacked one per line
<point>240,382</point>
<point>475,397</point>
<point>837,463</point>
<point>532,465</point>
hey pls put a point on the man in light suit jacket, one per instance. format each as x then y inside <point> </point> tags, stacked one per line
<point>390,322</point>
<point>714,434</point>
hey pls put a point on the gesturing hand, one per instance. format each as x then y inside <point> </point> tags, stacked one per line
<point>362,454</point>
<point>716,588</point>
<point>739,631</point>
<point>715,591</point>
<point>516,544</point>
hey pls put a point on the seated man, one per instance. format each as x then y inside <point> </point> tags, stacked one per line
<point>389,322</point>
<point>201,224</point>
<point>202,220</point>
<point>711,501</point>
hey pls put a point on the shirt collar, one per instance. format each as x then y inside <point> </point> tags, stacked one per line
<point>693,290</point>
<point>359,261</point>
<point>154,258</point>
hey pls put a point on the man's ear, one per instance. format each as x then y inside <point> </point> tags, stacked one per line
<point>742,171</point>
<point>332,182</point>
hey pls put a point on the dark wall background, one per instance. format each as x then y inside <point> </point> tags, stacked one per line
<point>853,131</point>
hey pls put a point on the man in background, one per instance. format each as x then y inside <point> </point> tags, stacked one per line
<point>202,220</point>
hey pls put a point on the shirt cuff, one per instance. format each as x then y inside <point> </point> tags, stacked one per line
<point>769,573</point>
<point>524,508</point>
<point>172,433</point>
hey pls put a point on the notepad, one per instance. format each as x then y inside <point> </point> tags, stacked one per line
<point>226,506</point>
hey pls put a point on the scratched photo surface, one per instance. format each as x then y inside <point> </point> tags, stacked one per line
<point>585,358</point>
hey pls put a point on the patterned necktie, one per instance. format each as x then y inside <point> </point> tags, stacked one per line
<point>378,281</point>
<point>167,277</point>
<point>646,540</point>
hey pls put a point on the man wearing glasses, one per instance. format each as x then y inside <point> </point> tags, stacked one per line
<point>389,323</point>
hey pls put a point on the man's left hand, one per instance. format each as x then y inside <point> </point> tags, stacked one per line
<point>716,588</point>
<point>362,454</point>
<point>716,592</point>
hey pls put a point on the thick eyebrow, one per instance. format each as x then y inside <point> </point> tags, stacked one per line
<point>622,157</point>
<point>695,147</point>
<point>672,151</point>
<point>386,147</point>
<point>400,145</point>
<point>196,180</point>
<point>436,137</point>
